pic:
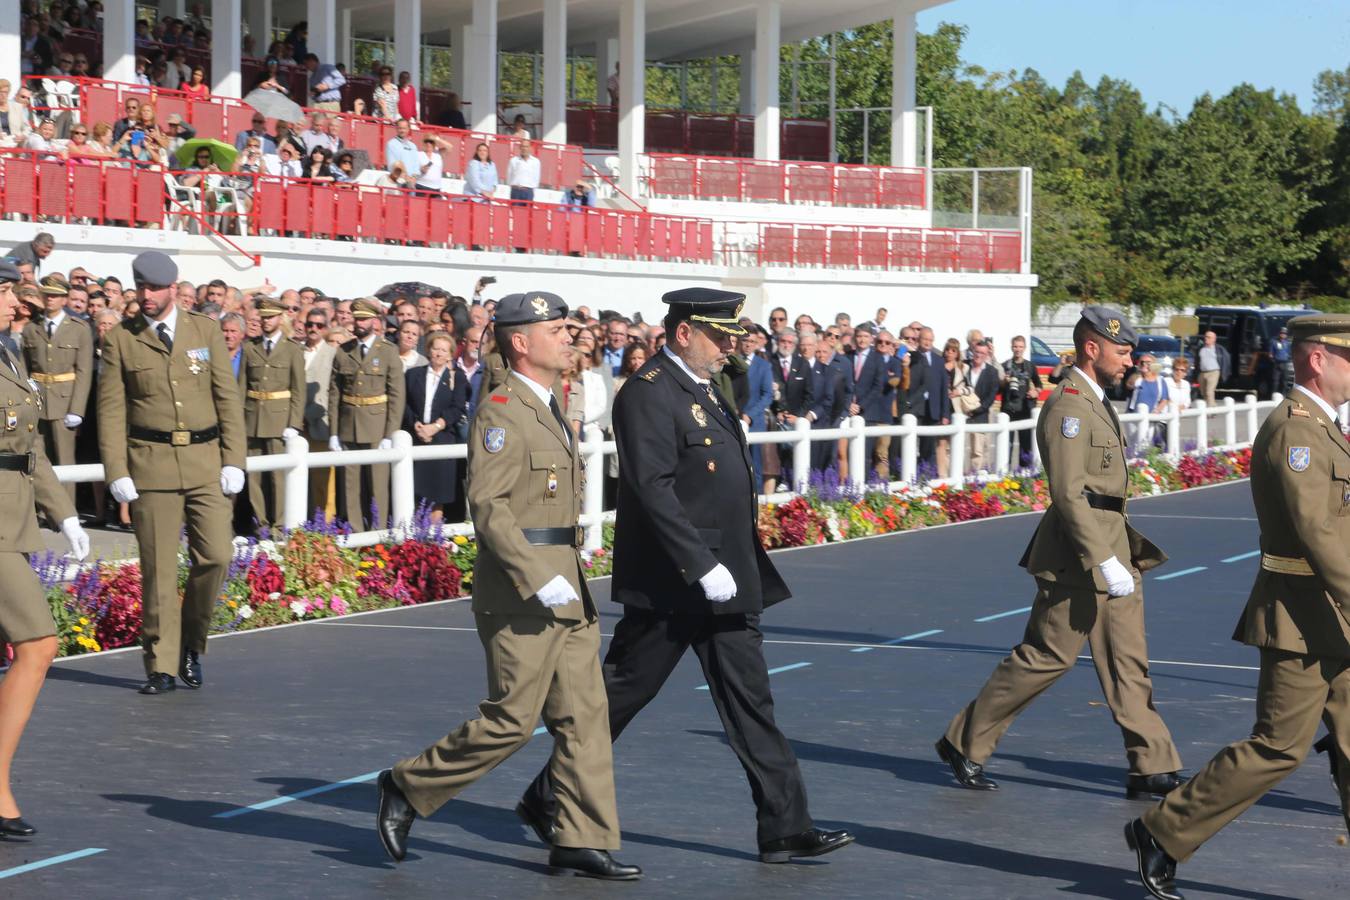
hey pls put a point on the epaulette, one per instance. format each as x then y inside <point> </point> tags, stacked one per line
<point>1299,411</point>
<point>650,374</point>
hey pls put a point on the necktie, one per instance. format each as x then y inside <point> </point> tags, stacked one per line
<point>857,367</point>
<point>268,345</point>
<point>363,351</point>
<point>163,331</point>
<point>557,414</point>
<point>51,330</point>
<point>787,364</point>
<point>716,401</point>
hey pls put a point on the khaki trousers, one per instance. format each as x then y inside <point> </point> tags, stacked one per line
<point>881,458</point>
<point>1209,384</point>
<point>58,442</point>
<point>981,456</point>
<point>362,485</point>
<point>534,665</point>
<point>322,485</point>
<point>329,105</point>
<point>1293,693</point>
<point>1062,620</point>
<point>267,490</point>
<point>169,625</point>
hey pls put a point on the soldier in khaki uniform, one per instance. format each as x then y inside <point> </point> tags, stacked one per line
<point>272,371</point>
<point>59,352</point>
<point>365,408</point>
<point>26,480</point>
<point>171,432</point>
<point>1298,613</point>
<point>1087,560</point>
<point>534,614</point>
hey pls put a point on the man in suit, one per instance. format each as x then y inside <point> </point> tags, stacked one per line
<point>928,386</point>
<point>894,359</point>
<point>318,355</point>
<point>836,359</point>
<point>59,352</point>
<point>690,570</point>
<point>273,376</point>
<point>1298,613</point>
<point>171,433</point>
<point>533,611</point>
<point>829,395</point>
<point>869,385</point>
<point>365,408</point>
<point>792,395</point>
<point>759,396</point>
<point>984,381</point>
<point>1088,563</point>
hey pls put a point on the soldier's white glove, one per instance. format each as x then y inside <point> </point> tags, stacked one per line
<point>288,433</point>
<point>718,585</point>
<point>556,593</point>
<point>231,480</point>
<point>72,421</point>
<point>1119,581</point>
<point>123,490</point>
<point>335,444</point>
<point>76,536</point>
<point>387,444</point>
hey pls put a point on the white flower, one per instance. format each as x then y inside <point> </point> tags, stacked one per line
<point>245,611</point>
<point>299,607</point>
<point>275,595</point>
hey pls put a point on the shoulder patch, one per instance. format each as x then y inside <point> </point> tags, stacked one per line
<point>494,439</point>
<point>498,398</point>
<point>1299,411</point>
<point>1070,426</point>
<point>650,374</point>
<point>1070,390</point>
<point>1300,458</point>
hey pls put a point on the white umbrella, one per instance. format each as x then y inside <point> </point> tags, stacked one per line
<point>274,105</point>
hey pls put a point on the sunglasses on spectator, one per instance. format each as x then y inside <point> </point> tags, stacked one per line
<point>777,318</point>
<point>313,324</point>
<point>77,133</point>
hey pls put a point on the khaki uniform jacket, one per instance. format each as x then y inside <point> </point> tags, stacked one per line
<point>318,373</point>
<point>282,371</point>
<point>18,491</point>
<point>71,350</point>
<point>1301,490</point>
<point>191,389</point>
<point>1080,446</point>
<point>379,374</point>
<point>531,480</point>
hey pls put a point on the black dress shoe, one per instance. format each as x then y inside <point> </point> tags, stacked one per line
<point>1327,746</point>
<point>1156,868</point>
<point>395,817</point>
<point>190,671</point>
<point>1146,787</point>
<point>968,774</point>
<point>537,821</point>
<point>16,827</point>
<point>158,683</point>
<point>811,842</point>
<point>592,864</point>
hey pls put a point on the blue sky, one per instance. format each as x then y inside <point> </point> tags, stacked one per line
<point>1171,50</point>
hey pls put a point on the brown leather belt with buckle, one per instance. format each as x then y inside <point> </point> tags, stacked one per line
<point>18,462</point>
<point>269,395</point>
<point>365,401</point>
<point>53,377</point>
<point>555,537</point>
<point>176,438</point>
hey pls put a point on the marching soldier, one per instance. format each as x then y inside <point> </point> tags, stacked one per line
<point>273,374</point>
<point>533,611</point>
<point>1298,613</point>
<point>59,352</point>
<point>1087,560</point>
<point>171,432</point>
<point>365,408</point>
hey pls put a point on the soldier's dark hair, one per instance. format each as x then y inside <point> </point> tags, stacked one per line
<point>1082,333</point>
<point>501,334</point>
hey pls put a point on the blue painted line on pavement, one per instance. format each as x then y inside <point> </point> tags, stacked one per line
<point>1190,571</point>
<point>1004,615</point>
<point>800,665</point>
<point>54,861</point>
<point>901,640</point>
<point>1242,556</point>
<point>288,798</point>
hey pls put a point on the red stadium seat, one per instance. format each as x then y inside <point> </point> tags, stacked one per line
<point>811,246</point>
<point>719,179</point>
<point>298,214</point>
<point>902,189</point>
<point>396,217</point>
<point>872,248</point>
<point>844,248</point>
<point>1006,252</point>
<point>52,189</point>
<point>323,202</point>
<point>86,192</point>
<point>939,251</point>
<point>973,252</point>
<point>777,245</point>
<point>348,204</point>
<point>149,195</point>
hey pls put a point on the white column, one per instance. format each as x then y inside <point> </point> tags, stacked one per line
<point>768,19</point>
<point>408,40</point>
<point>747,78</point>
<point>119,41</point>
<point>606,55</point>
<point>632,91</point>
<point>226,45</point>
<point>483,66</point>
<point>260,25</point>
<point>344,40</point>
<point>904,118</point>
<point>461,55</point>
<point>322,19</point>
<point>11,44</point>
<point>177,9</point>
<point>555,71</point>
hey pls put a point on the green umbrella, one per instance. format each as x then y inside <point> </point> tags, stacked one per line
<point>222,154</point>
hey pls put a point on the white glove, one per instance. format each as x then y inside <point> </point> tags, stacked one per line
<point>288,433</point>
<point>718,584</point>
<point>335,444</point>
<point>1119,581</point>
<point>72,421</point>
<point>556,593</point>
<point>387,444</point>
<point>231,480</point>
<point>79,540</point>
<point>123,490</point>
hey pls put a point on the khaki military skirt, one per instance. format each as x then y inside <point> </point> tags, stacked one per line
<point>24,613</point>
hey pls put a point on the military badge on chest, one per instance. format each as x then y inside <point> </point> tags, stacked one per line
<point>198,358</point>
<point>37,393</point>
<point>700,417</point>
<point>551,489</point>
<point>11,420</point>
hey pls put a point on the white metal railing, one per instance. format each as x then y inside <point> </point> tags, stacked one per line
<point>296,463</point>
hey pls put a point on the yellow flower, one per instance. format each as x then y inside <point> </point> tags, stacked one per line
<point>380,563</point>
<point>83,620</point>
<point>233,604</point>
<point>77,629</point>
<point>366,564</point>
<point>461,540</point>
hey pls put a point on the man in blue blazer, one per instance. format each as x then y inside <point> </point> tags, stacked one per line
<point>928,386</point>
<point>869,385</point>
<point>833,342</point>
<point>759,375</point>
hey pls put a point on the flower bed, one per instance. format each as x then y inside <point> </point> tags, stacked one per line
<point>307,575</point>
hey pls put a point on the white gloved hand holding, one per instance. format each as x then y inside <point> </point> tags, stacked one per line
<point>123,490</point>
<point>335,444</point>
<point>387,444</point>
<point>1119,581</point>
<point>76,536</point>
<point>718,584</point>
<point>231,480</point>
<point>556,593</point>
<point>288,433</point>
<point>72,421</point>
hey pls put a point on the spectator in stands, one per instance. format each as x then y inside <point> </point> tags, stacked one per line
<point>132,108</point>
<point>523,173</point>
<point>13,116</point>
<point>343,166</point>
<point>37,48</point>
<point>580,194</point>
<point>325,83</point>
<point>79,146</point>
<point>958,383</point>
<point>480,175</point>
<point>519,130</point>
<point>286,134</point>
<point>612,86</point>
<point>984,381</point>
<point>258,131</point>
<point>232,328</point>
<point>1179,386</point>
<point>269,78</point>
<point>42,141</point>
<point>358,106</point>
<point>287,163</point>
<point>616,341</point>
<point>178,133</point>
<point>431,165</point>
<point>401,151</point>
<point>196,86</point>
<point>318,165</point>
<point>407,97</point>
<point>316,135</point>
<point>869,385</point>
<point>201,175</point>
<point>453,117</point>
<point>385,97</point>
<point>436,400</point>
<point>178,71</point>
<point>409,337</point>
<point>33,253</point>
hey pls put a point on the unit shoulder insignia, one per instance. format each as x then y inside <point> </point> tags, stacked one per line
<point>1300,458</point>
<point>1070,426</point>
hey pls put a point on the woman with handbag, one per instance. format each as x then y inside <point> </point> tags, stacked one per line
<point>959,397</point>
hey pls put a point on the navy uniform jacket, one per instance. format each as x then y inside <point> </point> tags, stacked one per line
<point>687,499</point>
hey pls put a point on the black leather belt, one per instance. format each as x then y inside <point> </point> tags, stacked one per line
<point>177,438</point>
<point>1104,501</point>
<point>554,537</point>
<point>18,462</point>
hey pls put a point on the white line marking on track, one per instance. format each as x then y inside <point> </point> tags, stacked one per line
<point>1200,518</point>
<point>1242,556</point>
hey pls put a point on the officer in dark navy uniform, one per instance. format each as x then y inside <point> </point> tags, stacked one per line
<point>690,569</point>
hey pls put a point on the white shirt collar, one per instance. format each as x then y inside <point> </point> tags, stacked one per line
<point>369,341</point>
<point>57,319</point>
<point>1096,388</point>
<point>170,321</point>
<point>544,394</point>
<point>679,362</point>
<point>1325,406</point>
